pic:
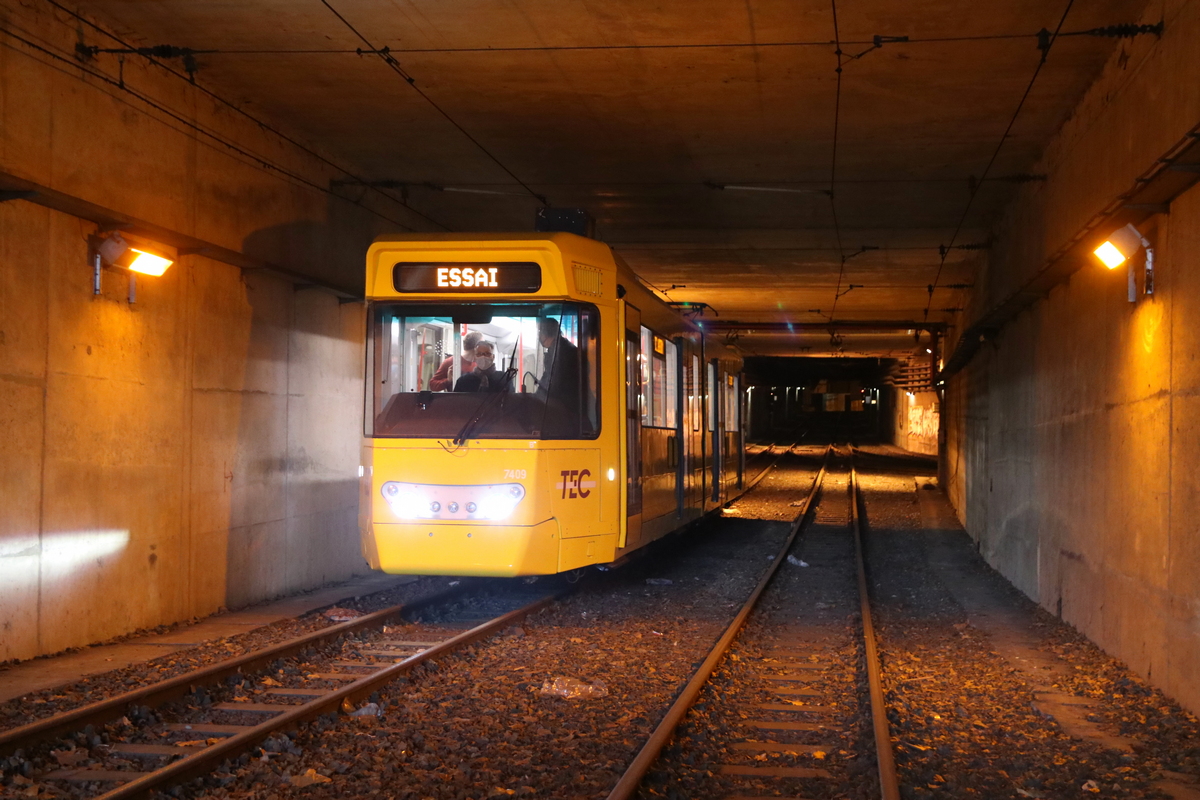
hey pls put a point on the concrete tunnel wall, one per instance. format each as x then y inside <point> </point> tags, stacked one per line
<point>198,448</point>
<point>914,421</point>
<point>1072,438</point>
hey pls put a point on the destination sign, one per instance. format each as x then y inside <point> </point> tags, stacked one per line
<point>499,276</point>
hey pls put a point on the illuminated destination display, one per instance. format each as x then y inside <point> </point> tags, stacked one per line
<point>499,276</point>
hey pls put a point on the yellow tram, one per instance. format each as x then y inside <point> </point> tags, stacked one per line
<point>531,408</point>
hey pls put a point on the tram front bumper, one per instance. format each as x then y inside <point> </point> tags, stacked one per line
<point>413,548</point>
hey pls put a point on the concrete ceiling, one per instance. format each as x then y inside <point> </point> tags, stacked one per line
<point>639,111</point>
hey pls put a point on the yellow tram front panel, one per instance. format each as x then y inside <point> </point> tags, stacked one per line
<point>429,293</point>
<point>487,507</point>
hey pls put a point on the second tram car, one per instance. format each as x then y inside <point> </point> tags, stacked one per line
<point>531,408</point>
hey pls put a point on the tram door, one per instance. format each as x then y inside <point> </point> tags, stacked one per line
<point>633,424</point>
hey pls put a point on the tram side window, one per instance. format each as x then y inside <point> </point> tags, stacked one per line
<point>660,385</point>
<point>671,395</point>
<point>732,393</point>
<point>694,393</point>
<point>646,400</point>
<point>658,370</point>
<point>714,397</point>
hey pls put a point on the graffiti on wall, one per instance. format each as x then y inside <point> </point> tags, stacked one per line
<point>923,422</point>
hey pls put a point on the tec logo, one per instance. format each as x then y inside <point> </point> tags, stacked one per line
<point>574,484</point>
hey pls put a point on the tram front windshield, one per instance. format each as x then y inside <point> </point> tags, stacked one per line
<point>488,371</point>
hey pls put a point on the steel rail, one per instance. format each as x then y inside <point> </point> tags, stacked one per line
<point>889,784</point>
<point>155,694</point>
<point>771,466</point>
<point>627,786</point>
<point>210,757</point>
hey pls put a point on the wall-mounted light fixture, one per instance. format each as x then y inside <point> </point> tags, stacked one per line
<point>1120,248</point>
<point>133,254</point>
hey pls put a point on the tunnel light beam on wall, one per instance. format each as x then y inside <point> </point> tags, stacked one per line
<point>1119,248</point>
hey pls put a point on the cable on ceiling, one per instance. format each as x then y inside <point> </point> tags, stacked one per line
<point>744,185</point>
<point>192,125</point>
<point>837,107</point>
<point>186,54</point>
<point>878,42</point>
<point>241,112</point>
<point>1111,31</point>
<point>995,154</point>
<point>599,47</point>
<point>652,246</point>
<point>387,58</point>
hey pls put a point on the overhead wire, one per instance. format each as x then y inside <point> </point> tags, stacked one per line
<point>394,65</point>
<point>945,250</point>
<point>644,247</point>
<point>837,107</point>
<point>190,124</point>
<point>243,113</point>
<point>984,37</point>
<point>386,55</point>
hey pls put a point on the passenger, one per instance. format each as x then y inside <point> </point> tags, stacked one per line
<point>441,380</point>
<point>559,385</point>
<point>485,377</point>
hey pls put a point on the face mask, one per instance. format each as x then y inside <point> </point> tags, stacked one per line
<point>484,362</point>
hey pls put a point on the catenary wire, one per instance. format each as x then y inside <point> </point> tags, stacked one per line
<point>995,154</point>
<point>705,184</point>
<point>193,126</point>
<point>837,107</point>
<point>394,65</point>
<point>241,112</point>
<point>619,47</point>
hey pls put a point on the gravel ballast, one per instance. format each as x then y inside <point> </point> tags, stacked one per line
<point>478,724</point>
<point>967,721</point>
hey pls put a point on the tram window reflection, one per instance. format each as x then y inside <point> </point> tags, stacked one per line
<point>547,353</point>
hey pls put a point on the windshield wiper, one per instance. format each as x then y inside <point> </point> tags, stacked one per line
<point>488,404</point>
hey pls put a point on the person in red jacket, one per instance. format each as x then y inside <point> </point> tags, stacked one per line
<point>442,380</point>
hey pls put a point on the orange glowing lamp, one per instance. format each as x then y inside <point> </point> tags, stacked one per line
<point>147,258</point>
<point>148,263</point>
<point>1110,256</point>
<point>1120,246</point>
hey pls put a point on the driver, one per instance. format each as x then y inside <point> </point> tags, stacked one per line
<point>485,377</point>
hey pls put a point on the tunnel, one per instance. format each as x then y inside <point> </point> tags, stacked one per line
<point>957,235</point>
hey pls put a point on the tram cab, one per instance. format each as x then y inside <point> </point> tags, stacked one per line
<point>522,418</point>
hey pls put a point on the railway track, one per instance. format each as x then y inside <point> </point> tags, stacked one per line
<point>785,714</point>
<point>765,454</point>
<point>161,735</point>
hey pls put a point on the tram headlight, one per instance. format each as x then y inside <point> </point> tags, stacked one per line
<point>406,500</point>
<point>500,502</point>
<point>496,507</point>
